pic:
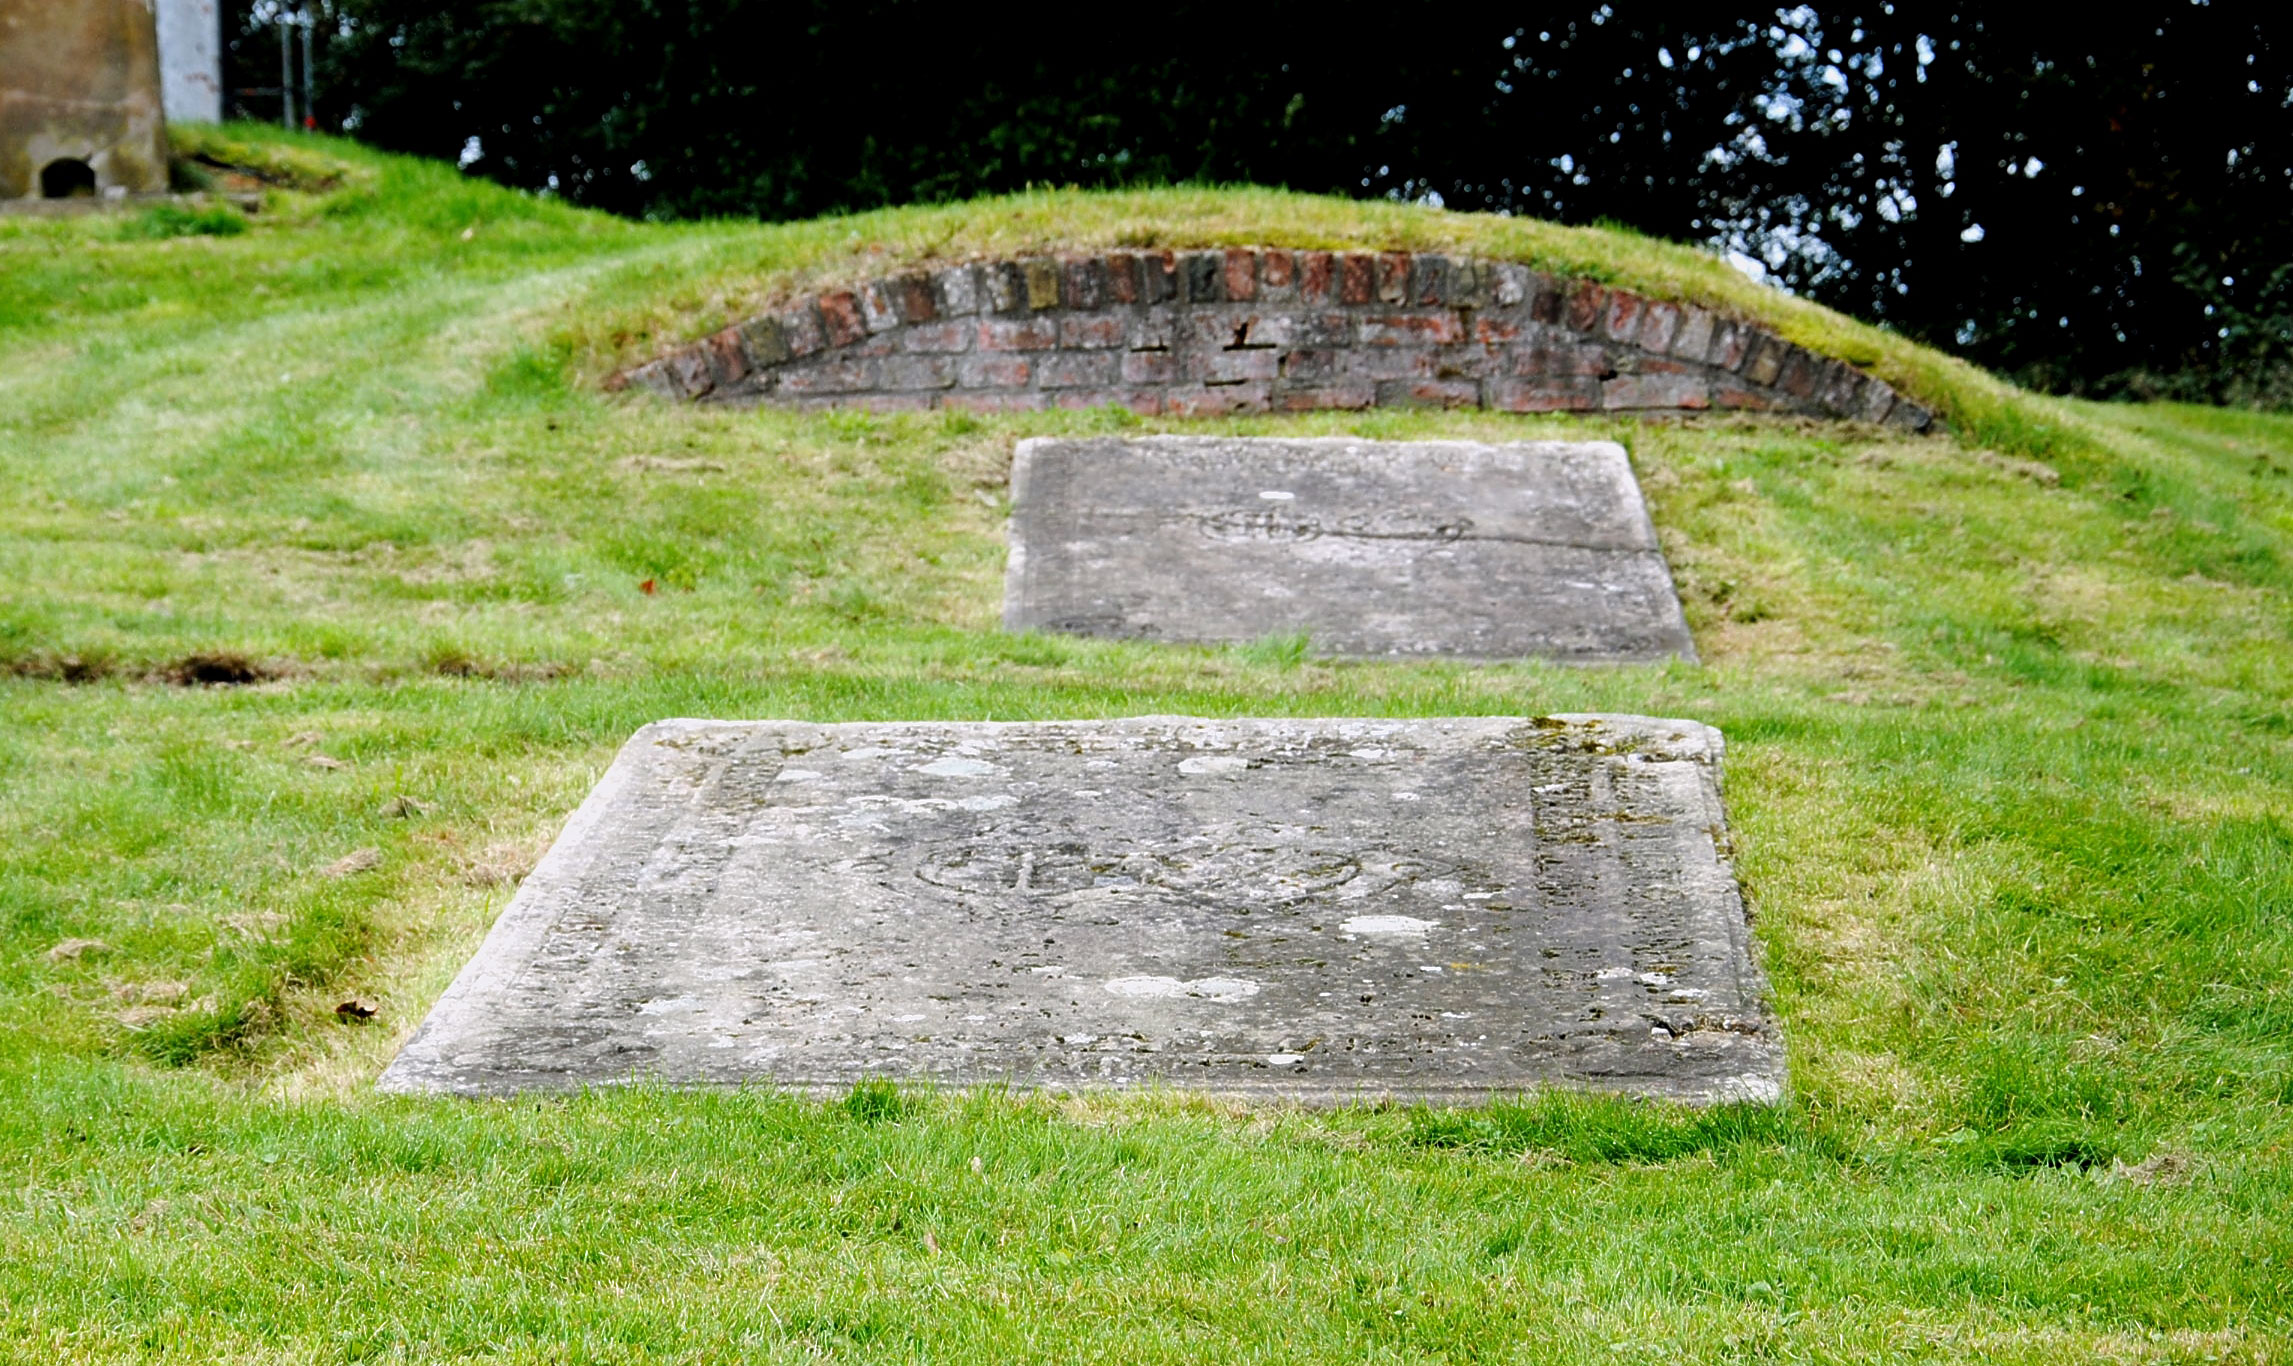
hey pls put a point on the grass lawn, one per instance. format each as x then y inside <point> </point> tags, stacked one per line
<point>2010,718</point>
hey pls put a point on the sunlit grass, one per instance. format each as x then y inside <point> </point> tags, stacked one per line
<point>2009,743</point>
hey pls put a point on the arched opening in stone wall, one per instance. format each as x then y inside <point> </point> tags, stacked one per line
<point>67,177</point>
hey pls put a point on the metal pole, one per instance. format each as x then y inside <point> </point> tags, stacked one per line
<point>310,111</point>
<point>286,74</point>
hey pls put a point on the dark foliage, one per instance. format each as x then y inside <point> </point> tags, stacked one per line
<point>2131,178</point>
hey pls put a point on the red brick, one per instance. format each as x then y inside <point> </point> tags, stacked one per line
<point>1005,401</point>
<point>1224,398</point>
<point>1241,274</point>
<point>1727,393</point>
<point>840,318</point>
<point>1137,400</point>
<point>728,363</point>
<point>1029,334</point>
<point>1239,365</point>
<point>1587,303</point>
<point>1317,273</point>
<point>1093,331</point>
<point>1388,362</point>
<point>1086,283</point>
<point>1122,277</point>
<point>1558,358</point>
<point>1801,372</point>
<point>1655,391</point>
<point>1495,331</point>
<point>1559,393</point>
<point>1310,365</point>
<point>993,372</point>
<point>917,372</point>
<point>1357,278</point>
<point>912,298</point>
<point>1428,393</point>
<point>830,375</point>
<point>1659,323</point>
<point>1411,329</point>
<point>1077,369</point>
<point>1277,271</point>
<point>1623,320</point>
<point>1151,367</point>
<point>1343,394</point>
<point>951,335</point>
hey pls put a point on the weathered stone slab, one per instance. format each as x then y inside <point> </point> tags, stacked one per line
<point>1534,549</point>
<point>1311,910</point>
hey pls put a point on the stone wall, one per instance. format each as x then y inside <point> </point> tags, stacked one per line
<point>1243,330</point>
<point>79,99</point>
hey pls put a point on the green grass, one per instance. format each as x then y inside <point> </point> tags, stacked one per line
<point>2010,718</point>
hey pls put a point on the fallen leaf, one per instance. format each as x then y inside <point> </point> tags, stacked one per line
<point>358,1008</point>
<point>302,739</point>
<point>402,808</point>
<point>151,993</point>
<point>671,465</point>
<point>356,861</point>
<point>931,1243</point>
<point>238,744</point>
<point>649,587</point>
<point>71,950</point>
<point>323,761</point>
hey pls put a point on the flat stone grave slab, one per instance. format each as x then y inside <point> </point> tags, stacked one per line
<point>1371,548</point>
<point>1435,910</point>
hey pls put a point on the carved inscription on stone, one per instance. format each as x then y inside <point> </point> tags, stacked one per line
<point>1367,548</point>
<point>1321,910</point>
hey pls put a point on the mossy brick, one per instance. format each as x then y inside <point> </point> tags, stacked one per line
<point>956,291</point>
<point>1083,284</point>
<point>1158,277</point>
<point>1005,287</point>
<point>1202,274</point>
<point>1429,279</point>
<point>1392,277</point>
<point>1040,277</point>
<point>766,342</point>
<point>1278,276</point>
<point>878,311</point>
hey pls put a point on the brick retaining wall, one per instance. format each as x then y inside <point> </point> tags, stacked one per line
<point>1243,330</point>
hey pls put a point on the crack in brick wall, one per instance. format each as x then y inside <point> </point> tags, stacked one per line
<point>1257,330</point>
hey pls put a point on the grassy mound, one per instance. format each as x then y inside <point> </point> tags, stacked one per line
<point>331,584</point>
